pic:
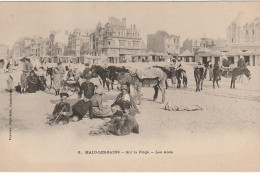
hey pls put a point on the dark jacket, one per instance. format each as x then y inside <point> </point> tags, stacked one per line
<point>81,108</point>
<point>61,106</point>
<point>86,73</point>
<point>88,88</point>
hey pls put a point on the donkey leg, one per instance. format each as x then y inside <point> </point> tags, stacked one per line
<point>107,84</point>
<point>234,83</point>
<point>112,84</point>
<point>163,90</point>
<point>138,95</point>
<point>128,88</point>
<point>156,89</point>
<point>217,83</point>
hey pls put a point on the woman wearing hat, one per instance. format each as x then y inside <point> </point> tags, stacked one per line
<point>98,109</point>
<point>126,102</point>
<point>62,110</point>
<point>58,75</point>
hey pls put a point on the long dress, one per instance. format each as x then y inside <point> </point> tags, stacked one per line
<point>58,77</point>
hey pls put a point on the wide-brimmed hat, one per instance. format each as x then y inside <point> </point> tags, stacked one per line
<point>123,87</point>
<point>64,94</point>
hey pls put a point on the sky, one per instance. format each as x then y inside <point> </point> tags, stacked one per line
<point>187,19</point>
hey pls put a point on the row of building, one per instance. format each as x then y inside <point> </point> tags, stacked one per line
<point>122,43</point>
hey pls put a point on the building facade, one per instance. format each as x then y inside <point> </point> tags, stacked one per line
<point>244,37</point>
<point>78,43</point>
<point>36,46</point>
<point>162,42</point>
<point>192,45</point>
<point>116,40</point>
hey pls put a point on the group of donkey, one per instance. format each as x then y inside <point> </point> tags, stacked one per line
<point>124,77</point>
<point>200,74</point>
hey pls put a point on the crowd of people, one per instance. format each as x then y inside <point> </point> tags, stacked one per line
<point>89,104</point>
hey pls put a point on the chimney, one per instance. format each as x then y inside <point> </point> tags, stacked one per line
<point>124,21</point>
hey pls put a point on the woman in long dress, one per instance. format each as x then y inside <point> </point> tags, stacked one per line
<point>57,78</point>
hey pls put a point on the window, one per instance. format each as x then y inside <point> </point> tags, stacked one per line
<point>246,32</point>
<point>129,43</point>
<point>122,43</point>
<point>108,43</point>
<point>253,32</point>
<point>136,44</point>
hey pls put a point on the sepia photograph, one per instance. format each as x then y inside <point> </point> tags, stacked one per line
<point>130,86</point>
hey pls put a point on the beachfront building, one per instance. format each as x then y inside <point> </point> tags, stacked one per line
<point>162,42</point>
<point>116,41</point>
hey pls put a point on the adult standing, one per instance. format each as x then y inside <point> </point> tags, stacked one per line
<point>86,72</point>
<point>28,66</point>
<point>210,72</point>
<point>216,74</point>
<point>58,76</point>
<point>42,78</point>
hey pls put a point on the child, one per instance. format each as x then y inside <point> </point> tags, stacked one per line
<point>10,83</point>
<point>23,80</point>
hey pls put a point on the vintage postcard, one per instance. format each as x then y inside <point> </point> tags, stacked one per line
<point>130,86</point>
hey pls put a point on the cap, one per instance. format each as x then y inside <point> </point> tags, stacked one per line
<point>64,94</point>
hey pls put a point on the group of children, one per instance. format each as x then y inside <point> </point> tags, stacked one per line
<point>123,110</point>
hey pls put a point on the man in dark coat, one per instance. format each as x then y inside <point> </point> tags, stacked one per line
<point>87,88</point>
<point>87,72</point>
<point>216,74</point>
